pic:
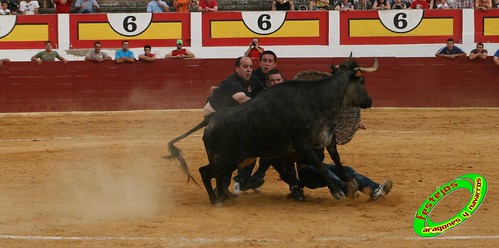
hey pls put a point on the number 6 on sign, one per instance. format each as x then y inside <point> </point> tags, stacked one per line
<point>264,23</point>
<point>401,21</point>
<point>128,24</point>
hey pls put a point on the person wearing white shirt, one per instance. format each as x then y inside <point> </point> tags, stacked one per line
<point>157,6</point>
<point>29,7</point>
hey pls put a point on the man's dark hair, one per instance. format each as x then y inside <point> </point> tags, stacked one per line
<point>238,61</point>
<point>97,43</point>
<point>450,40</point>
<point>274,71</point>
<point>123,42</point>
<point>268,52</point>
<point>479,44</point>
<point>147,46</point>
<point>47,42</point>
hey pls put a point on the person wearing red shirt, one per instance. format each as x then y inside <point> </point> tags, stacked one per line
<point>419,4</point>
<point>63,6</point>
<point>180,52</point>
<point>147,55</point>
<point>208,6</point>
<point>254,49</point>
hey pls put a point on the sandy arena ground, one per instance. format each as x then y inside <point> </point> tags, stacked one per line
<point>98,180</point>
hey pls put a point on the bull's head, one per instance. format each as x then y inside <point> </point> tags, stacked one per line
<point>356,94</point>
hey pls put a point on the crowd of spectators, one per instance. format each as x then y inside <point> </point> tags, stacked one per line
<point>31,7</point>
<point>254,51</point>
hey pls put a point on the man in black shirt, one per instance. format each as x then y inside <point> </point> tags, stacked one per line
<point>235,89</point>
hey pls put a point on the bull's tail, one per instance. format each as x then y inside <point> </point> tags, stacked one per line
<point>176,153</point>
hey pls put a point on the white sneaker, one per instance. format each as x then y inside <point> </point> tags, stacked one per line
<point>258,190</point>
<point>382,190</point>
<point>237,190</point>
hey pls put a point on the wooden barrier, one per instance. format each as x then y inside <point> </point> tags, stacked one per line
<point>180,84</point>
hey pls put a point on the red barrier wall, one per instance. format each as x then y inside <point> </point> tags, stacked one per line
<point>171,84</point>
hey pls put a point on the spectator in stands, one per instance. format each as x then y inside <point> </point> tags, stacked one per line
<point>450,51</point>
<point>319,5</point>
<point>180,52</point>
<point>479,52</point>
<point>381,4</point>
<point>48,54</point>
<point>496,57</point>
<point>29,7</point>
<point>420,4</point>
<point>208,6</point>
<point>97,55</point>
<point>157,6</point>
<point>398,4</point>
<point>13,6</point>
<point>495,4</point>
<point>183,5</point>
<point>363,5</point>
<point>483,5</point>
<point>63,6</point>
<point>4,8</point>
<point>44,4</point>
<point>283,5</point>
<point>147,55</point>
<point>86,6</point>
<point>254,50</point>
<point>4,60</point>
<point>345,5</point>
<point>442,4</point>
<point>463,4</point>
<point>124,55</point>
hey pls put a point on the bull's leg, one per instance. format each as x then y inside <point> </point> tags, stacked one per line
<point>207,174</point>
<point>221,195</point>
<point>226,184</point>
<point>286,169</point>
<point>332,149</point>
<point>309,155</point>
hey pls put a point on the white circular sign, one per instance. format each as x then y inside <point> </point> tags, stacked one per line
<point>263,23</point>
<point>401,21</point>
<point>129,24</point>
<point>7,24</point>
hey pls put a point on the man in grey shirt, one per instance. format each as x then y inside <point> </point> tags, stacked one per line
<point>97,55</point>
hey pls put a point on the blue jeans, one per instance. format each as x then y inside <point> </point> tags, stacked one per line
<point>311,178</point>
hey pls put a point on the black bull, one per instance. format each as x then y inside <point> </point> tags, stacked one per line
<point>293,117</point>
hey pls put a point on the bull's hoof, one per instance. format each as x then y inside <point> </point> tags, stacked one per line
<point>339,195</point>
<point>297,194</point>
<point>230,194</point>
<point>352,188</point>
<point>221,197</point>
<point>218,205</point>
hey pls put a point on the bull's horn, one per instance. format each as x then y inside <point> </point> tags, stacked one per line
<point>349,57</point>
<point>371,69</point>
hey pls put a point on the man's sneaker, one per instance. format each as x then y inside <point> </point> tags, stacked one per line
<point>382,190</point>
<point>258,190</point>
<point>237,189</point>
